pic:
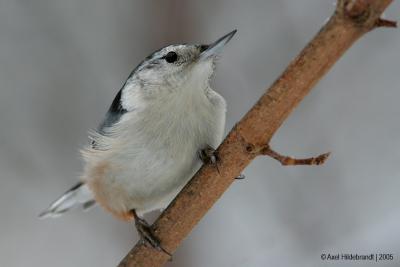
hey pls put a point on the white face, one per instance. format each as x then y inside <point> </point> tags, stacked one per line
<point>173,65</point>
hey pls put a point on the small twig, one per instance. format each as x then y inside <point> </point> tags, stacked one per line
<point>289,161</point>
<point>386,23</point>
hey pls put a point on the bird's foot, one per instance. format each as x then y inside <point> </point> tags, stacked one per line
<point>147,234</point>
<point>209,155</point>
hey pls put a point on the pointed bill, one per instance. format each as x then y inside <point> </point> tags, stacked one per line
<point>216,47</point>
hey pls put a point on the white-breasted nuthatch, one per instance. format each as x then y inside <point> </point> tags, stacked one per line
<point>162,124</point>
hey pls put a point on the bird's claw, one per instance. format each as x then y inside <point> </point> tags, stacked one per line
<point>209,155</point>
<point>147,235</point>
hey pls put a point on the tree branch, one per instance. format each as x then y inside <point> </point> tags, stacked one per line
<point>289,161</point>
<point>351,20</point>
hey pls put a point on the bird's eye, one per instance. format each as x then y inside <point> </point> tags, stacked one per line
<point>171,57</point>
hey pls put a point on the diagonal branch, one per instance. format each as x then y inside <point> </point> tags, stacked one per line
<point>351,20</point>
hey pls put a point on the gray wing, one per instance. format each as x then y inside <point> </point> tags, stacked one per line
<point>114,113</point>
<point>116,110</point>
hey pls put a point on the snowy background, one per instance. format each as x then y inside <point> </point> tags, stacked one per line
<point>62,62</point>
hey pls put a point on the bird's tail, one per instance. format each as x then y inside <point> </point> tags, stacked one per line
<point>79,195</point>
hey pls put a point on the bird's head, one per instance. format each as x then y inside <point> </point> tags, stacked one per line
<point>175,66</point>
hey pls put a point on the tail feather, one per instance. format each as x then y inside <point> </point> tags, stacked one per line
<point>79,195</point>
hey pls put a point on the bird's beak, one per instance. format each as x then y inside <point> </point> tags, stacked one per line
<point>216,47</point>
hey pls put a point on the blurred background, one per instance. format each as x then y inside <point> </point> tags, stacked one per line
<point>62,62</point>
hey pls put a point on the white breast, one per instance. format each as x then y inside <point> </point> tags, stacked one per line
<point>154,150</point>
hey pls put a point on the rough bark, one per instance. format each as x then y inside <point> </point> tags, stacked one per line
<point>248,139</point>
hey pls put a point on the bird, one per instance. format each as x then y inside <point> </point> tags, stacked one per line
<point>163,124</point>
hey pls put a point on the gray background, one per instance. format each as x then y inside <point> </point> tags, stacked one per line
<point>62,62</point>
